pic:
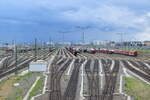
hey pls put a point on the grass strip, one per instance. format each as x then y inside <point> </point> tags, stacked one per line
<point>136,88</point>
<point>37,88</point>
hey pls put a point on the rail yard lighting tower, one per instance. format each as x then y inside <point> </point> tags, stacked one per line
<point>13,45</point>
<point>50,43</point>
<point>16,58</point>
<point>121,38</point>
<point>83,28</point>
<point>63,35</point>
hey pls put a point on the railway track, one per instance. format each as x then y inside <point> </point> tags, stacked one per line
<point>139,73</point>
<point>140,65</point>
<point>65,53</point>
<point>87,55</point>
<point>46,55</point>
<point>70,92</point>
<point>64,59</point>
<point>8,66</point>
<point>81,56</point>
<point>110,79</point>
<point>10,62</point>
<point>93,80</point>
<point>56,73</point>
<point>70,54</point>
<point>58,52</point>
<point>13,68</point>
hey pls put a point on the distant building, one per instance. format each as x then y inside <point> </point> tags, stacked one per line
<point>146,43</point>
<point>96,42</point>
<point>104,43</point>
<point>132,43</point>
<point>111,43</point>
<point>50,43</point>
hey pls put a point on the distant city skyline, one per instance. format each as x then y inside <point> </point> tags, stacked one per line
<point>24,20</point>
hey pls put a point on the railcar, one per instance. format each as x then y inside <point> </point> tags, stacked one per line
<point>121,52</point>
<point>106,51</point>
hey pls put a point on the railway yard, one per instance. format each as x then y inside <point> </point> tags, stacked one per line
<point>75,50</point>
<point>84,76</point>
<point>9,63</point>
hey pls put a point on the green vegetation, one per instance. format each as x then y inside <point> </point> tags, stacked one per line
<point>138,50</point>
<point>37,89</point>
<point>17,93</point>
<point>143,51</point>
<point>137,89</point>
<point>18,98</point>
<point>24,76</point>
<point>5,87</point>
<point>8,91</point>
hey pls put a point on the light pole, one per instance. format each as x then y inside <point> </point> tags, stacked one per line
<point>35,51</point>
<point>16,58</point>
<point>121,39</point>
<point>50,45</point>
<point>83,28</point>
<point>63,35</point>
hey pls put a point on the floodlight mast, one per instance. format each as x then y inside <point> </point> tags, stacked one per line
<point>16,58</point>
<point>121,38</point>
<point>83,28</point>
<point>35,51</point>
<point>50,43</point>
<point>63,35</point>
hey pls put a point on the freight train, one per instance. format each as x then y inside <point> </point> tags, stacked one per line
<point>106,51</point>
<point>115,51</point>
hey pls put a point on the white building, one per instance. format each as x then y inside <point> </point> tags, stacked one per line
<point>38,66</point>
<point>98,42</point>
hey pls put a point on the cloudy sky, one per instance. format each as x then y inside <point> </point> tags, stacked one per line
<point>24,20</point>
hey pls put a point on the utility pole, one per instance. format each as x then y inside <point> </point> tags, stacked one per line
<point>83,28</point>
<point>44,45</point>
<point>13,45</point>
<point>63,35</point>
<point>50,41</point>
<point>16,59</point>
<point>35,47</point>
<point>83,38</point>
<point>121,38</point>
